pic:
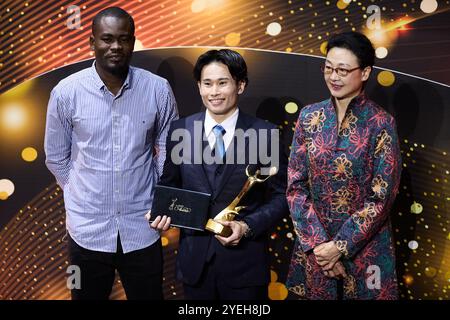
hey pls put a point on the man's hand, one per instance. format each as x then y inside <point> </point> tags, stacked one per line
<point>327,254</point>
<point>238,229</point>
<point>160,223</point>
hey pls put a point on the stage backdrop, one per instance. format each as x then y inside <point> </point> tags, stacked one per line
<point>283,44</point>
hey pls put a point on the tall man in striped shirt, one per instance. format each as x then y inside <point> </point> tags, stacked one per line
<point>105,143</point>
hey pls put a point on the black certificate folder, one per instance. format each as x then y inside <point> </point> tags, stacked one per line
<point>186,208</point>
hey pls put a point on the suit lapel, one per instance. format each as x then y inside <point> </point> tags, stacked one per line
<point>197,148</point>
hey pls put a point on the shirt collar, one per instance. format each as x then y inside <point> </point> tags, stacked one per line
<point>228,124</point>
<point>359,100</point>
<point>99,84</point>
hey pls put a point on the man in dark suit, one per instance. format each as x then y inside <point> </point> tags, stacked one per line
<point>211,266</point>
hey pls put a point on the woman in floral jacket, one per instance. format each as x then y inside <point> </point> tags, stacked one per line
<point>343,177</point>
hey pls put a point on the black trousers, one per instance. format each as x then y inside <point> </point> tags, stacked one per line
<point>140,272</point>
<point>214,286</point>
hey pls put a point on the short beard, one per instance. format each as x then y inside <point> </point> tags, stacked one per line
<point>119,71</point>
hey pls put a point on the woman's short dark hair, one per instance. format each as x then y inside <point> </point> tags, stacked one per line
<point>232,59</point>
<point>357,43</point>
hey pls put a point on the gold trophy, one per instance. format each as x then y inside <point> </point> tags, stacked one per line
<point>230,212</point>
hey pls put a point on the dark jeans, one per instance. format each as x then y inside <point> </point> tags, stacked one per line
<point>213,286</point>
<point>140,272</point>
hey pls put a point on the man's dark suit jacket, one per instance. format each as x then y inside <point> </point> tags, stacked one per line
<point>246,264</point>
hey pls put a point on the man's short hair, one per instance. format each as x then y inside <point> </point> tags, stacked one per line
<point>112,12</point>
<point>232,59</point>
<point>357,43</point>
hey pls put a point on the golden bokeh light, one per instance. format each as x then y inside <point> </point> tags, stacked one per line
<point>323,47</point>
<point>164,241</point>
<point>13,116</point>
<point>3,195</point>
<point>378,37</point>
<point>277,291</point>
<point>6,186</point>
<point>233,39</point>
<point>29,154</point>
<point>413,244</point>
<point>430,272</point>
<point>428,6</point>
<point>386,36</point>
<point>273,29</point>
<point>386,78</point>
<point>273,276</point>
<point>416,208</point>
<point>408,279</point>
<point>198,6</point>
<point>381,52</point>
<point>342,4</point>
<point>291,107</point>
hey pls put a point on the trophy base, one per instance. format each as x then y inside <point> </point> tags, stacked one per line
<point>218,228</point>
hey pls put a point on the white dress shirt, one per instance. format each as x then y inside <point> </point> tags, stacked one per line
<point>229,124</point>
<point>100,149</point>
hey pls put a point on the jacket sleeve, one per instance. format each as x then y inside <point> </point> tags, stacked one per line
<point>307,225</point>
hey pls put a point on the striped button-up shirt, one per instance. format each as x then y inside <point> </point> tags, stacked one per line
<point>107,152</point>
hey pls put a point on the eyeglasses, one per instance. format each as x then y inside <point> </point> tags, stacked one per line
<point>341,72</point>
